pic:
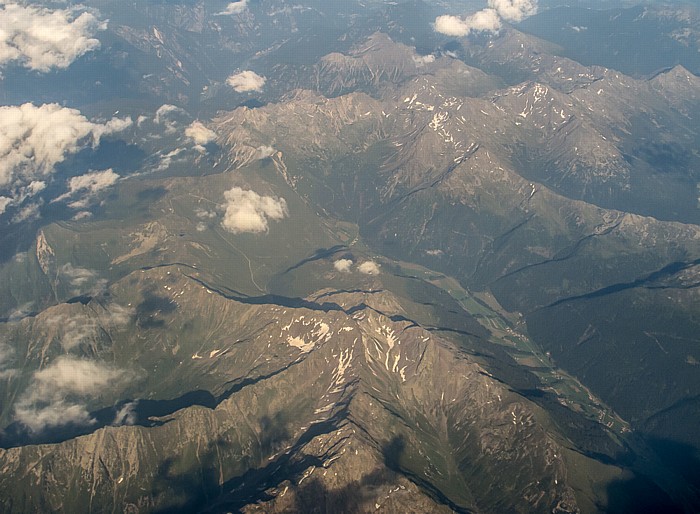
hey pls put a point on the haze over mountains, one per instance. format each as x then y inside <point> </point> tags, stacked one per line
<point>272,256</point>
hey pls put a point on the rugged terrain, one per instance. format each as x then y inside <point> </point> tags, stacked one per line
<point>409,273</point>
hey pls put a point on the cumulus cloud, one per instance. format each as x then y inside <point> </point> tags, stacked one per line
<point>33,140</point>
<point>247,211</point>
<point>57,394</point>
<point>343,265</point>
<point>88,186</point>
<point>200,135</point>
<point>234,8</point>
<point>514,10</point>
<point>40,38</point>
<point>487,20</point>
<point>369,268</point>
<point>422,60</point>
<point>246,81</point>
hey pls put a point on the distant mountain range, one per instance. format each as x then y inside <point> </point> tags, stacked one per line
<point>317,257</point>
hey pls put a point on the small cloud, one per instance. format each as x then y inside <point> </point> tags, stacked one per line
<point>422,60</point>
<point>200,134</point>
<point>164,116</point>
<point>41,39</point>
<point>434,252</point>
<point>167,160</point>
<point>343,265</point>
<point>488,19</point>
<point>57,394</point>
<point>4,202</point>
<point>247,211</point>
<point>265,151</point>
<point>6,353</point>
<point>81,215</point>
<point>234,8</point>
<point>127,414</point>
<point>82,280</point>
<point>514,10</point>
<point>164,111</point>
<point>117,316</point>
<point>88,186</point>
<point>78,327</point>
<point>29,212</point>
<point>369,268</point>
<point>246,81</point>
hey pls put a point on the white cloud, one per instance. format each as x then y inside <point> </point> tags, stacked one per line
<point>246,81</point>
<point>29,212</point>
<point>33,140</point>
<point>342,265</point>
<point>514,10</point>
<point>72,329</point>
<point>4,203</point>
<point>117,316</point>
<point>126,415</point>
<point>163,112</point>
<point>265,151</point>
<point>56,395</point>
<point>88,186</point>
<point>81,215</point>
<point>488,19</point>
<point>234,8</point>
<point>369,268</point>
<point>41,38</point>
<point>422,60</point>
<point>164,116</point>
<point>247,211</point>
<point>200,134</point>
<point>82,280</point>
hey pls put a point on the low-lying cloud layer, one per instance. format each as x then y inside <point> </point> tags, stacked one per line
<point>247,211</point>
<point>34,139</point>
<point>486,20</point>
<point>246,81</point>
<point>57,394</point>
<point>41,39</point>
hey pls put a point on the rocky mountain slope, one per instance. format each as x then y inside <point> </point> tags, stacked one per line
<point>401,272</point>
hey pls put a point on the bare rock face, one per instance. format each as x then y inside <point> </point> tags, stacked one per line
<point>369,402</point>
<point>460,279</point>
